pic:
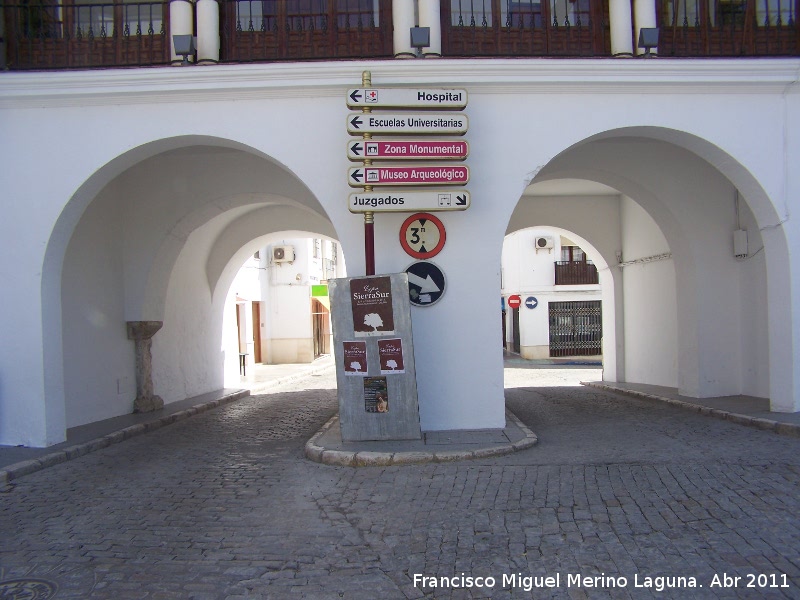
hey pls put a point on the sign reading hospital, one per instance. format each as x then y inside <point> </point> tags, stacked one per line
<point>420,123</point>
<point>406,98</point>
<point>361,176</point>
<point>407,150</point>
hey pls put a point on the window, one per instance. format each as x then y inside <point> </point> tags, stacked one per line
<point>721,13</point>
<point>471,13</point>
<point>522,15</point>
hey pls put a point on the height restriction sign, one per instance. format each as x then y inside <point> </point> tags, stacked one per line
<point>422,235</point>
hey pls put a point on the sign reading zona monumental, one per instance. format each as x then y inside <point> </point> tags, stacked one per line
<point>409,201</point>
<point>436,175</point>
<point>407,98</point>
<point>420,123</point>
<point>407,150</point>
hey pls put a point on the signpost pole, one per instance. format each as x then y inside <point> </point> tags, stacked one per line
<point>369,217</point>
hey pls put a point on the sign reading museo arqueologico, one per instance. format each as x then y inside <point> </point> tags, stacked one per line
<point>439,175</point>
<point>390,353</point>
<point>355,358</point>
<point>371,302</point>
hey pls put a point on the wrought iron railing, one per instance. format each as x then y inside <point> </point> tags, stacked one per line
<point>272,30</point>
<point>729,28</point>
<point>575,272</point>
<point>43,34</point>
<point>525,28</point>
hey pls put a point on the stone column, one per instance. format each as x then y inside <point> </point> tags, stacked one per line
<point>619,14</point>
<point>644,15</point>
<point>207,31</point>
<point>181,22</point>
<point>403,19</point>
<point>142,332</point>
<point>430,16</point>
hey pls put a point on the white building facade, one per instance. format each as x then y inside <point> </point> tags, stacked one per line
<point>134,196</point>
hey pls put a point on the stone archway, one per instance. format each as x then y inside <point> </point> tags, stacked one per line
<point>687,186</point>
<point>122,256</point>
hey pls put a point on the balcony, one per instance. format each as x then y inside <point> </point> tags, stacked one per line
<point>59,34</point>
<point>576,272</point>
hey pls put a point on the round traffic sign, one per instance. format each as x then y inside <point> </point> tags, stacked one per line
<point>531,302</point>
<point>514,301</point>
<point>422,235</point>
<point>426,283</point>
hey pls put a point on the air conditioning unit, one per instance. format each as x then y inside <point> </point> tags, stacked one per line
<point>282,254</point>
<point>543,243</point>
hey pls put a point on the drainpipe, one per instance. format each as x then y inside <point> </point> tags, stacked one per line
<point>430,15</point>
<point>619,15</point>
<point>181,22</point>
<point>644,14</point>
<point>207,31</point>
<point>403,18</point>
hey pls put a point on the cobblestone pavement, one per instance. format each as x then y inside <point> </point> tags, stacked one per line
<point>620,493</point>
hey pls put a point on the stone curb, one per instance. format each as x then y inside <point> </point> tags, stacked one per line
<point>344,458</point>
<point>788,429</point>
<point>26,467</point>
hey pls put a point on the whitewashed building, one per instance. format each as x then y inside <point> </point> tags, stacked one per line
<point>131,196</point>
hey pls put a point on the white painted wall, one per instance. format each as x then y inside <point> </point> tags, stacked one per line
<point>651,345</point>
<point>99,373</point>
<point>676,154</point>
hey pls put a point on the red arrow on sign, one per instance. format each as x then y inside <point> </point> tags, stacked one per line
<point>514,301</point>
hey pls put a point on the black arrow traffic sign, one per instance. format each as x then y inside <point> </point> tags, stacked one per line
<point>355,96</point>
<point>356,148</point>
<point>356,175</point>
<point>461,200</point>
<point>356,122</point>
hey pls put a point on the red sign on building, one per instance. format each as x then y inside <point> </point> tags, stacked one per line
<point>514,301</point>
<point>424,175</point>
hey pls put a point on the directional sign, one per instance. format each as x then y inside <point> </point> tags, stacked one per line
<point>426,283</point>
<point>436,175</point>
<point>420,123</point>
<point>514,301</point>
<point>406,98</point>
<point>531,302</point>
<point>409,201</point>
<point>407,150</point>
<point>422,235</point>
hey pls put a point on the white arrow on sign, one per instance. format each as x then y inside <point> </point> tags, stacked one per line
<point>426,285</point>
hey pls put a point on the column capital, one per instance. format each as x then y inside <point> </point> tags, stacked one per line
<point>143,330</point>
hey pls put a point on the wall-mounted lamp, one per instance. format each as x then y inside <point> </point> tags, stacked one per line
<point>648,39</point>
<point>185,45</point>
<point>420,38</point>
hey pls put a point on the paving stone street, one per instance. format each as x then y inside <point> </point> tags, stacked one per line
<point>620,498</point>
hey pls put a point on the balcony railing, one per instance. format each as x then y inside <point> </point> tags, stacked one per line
<point>576,272</point>
<point>525,28</point>
<point>729,28</point>
<point>273,30</point>
<point>43,34</point>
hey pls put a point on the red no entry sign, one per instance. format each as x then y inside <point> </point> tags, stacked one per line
<point>514,301</point>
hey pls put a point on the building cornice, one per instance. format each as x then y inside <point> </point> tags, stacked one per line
<point>327,79</point>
